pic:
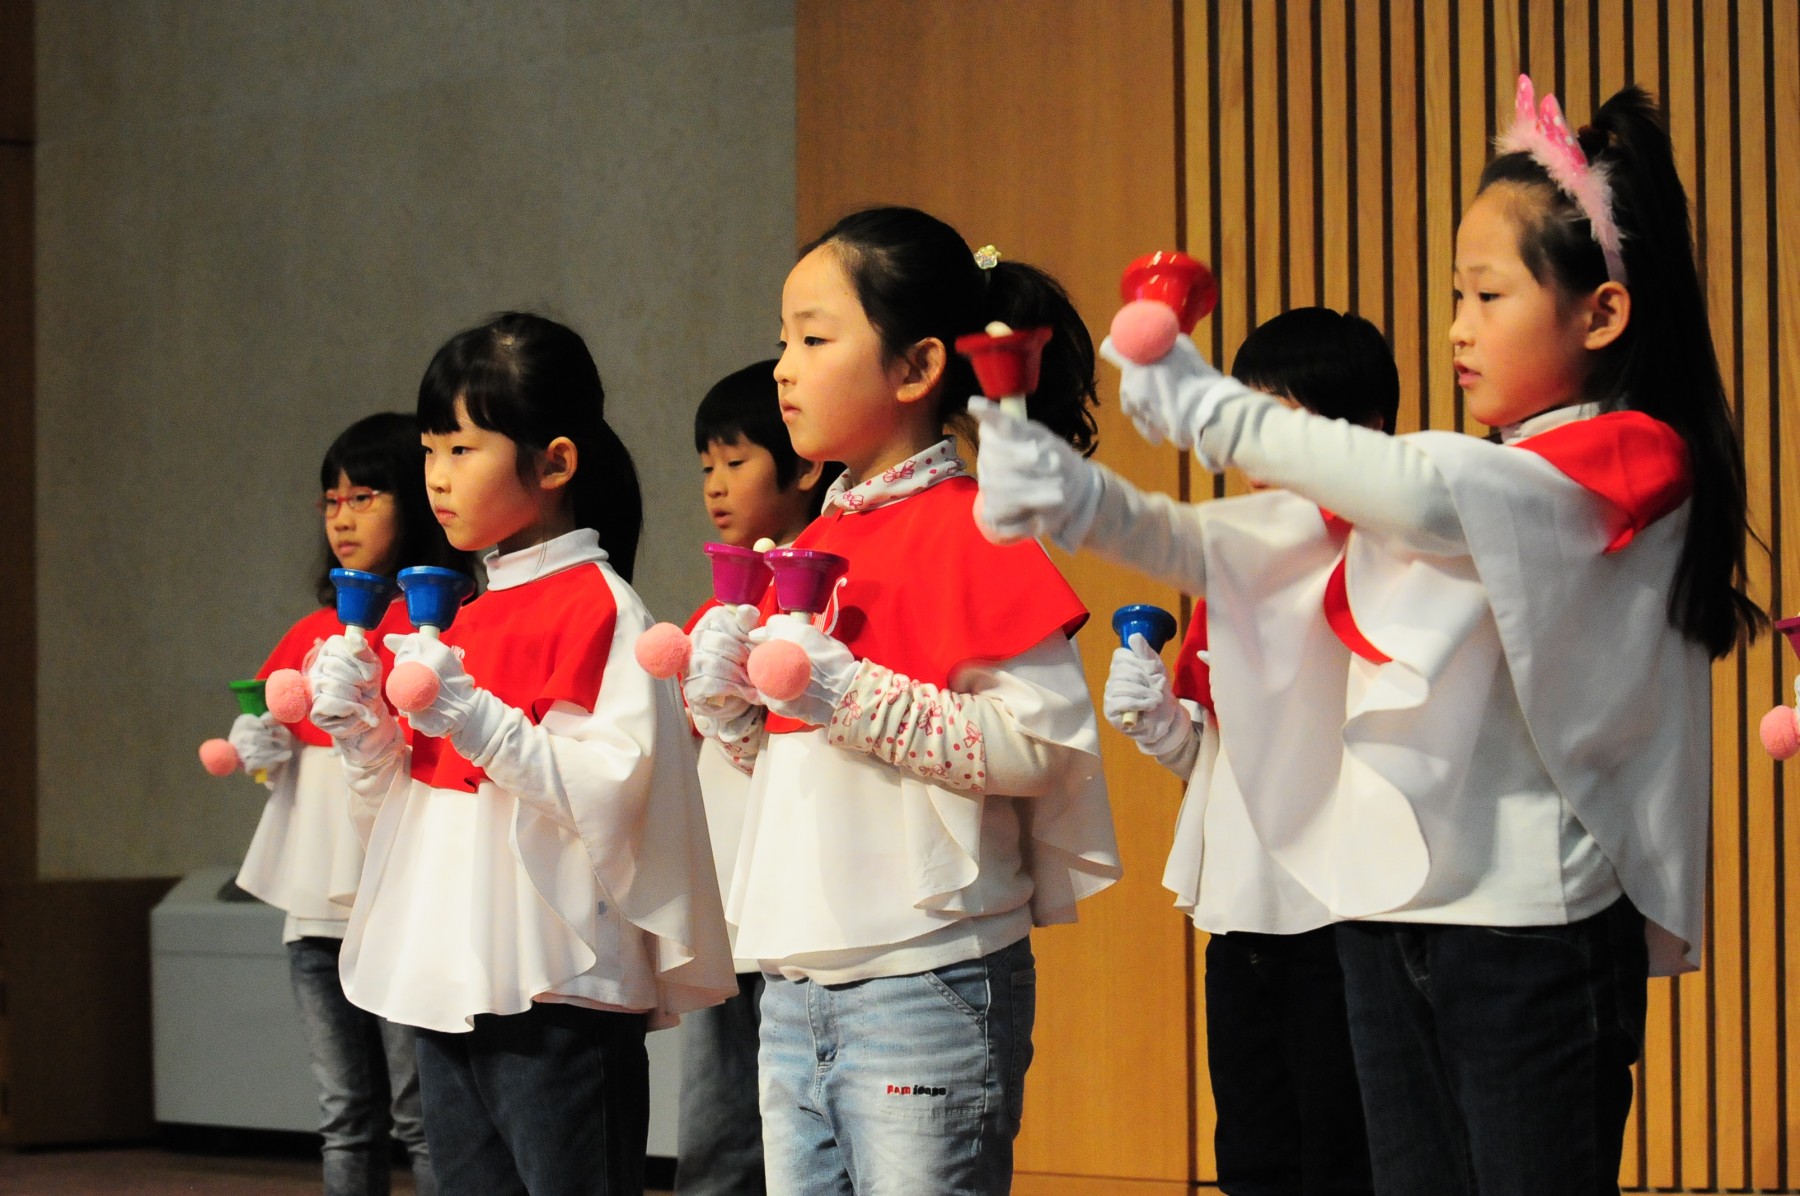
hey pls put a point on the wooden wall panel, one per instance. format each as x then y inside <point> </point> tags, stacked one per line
<point>1322,150</point>
<point>1424,90</point>
<point>76,955</point>
<point>1780,121</point>
<point>1048,129</point>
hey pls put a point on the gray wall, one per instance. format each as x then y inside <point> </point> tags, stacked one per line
<point>255,223</point>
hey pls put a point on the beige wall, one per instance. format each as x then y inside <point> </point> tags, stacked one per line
<point>255,223</point>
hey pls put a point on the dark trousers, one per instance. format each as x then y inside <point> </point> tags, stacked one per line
<point>1283,1080</point>
<point>368,1079</point>
<point>1496,1060</point>
<point>554,1101</point>
<point>720,1139</point>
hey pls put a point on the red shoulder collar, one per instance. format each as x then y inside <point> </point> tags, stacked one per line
<point>1638,464</point>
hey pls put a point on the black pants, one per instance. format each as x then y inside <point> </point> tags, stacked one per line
<point>554,1101</point>
<point>1497,1059</point>
<point>1278,1049</point>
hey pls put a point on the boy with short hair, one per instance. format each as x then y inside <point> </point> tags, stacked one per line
<point>1290,1116</point>
<point>755,487</point>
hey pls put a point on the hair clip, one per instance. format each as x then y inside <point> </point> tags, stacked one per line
<point>1540,131</point>
<point>987,257</point>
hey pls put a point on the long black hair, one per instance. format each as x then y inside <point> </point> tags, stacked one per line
<point>916,278</point>
<point>1664,363</point>
<point>382,452</point>
<point>532,380</point>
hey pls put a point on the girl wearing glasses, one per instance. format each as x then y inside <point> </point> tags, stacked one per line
<point>306,856</point>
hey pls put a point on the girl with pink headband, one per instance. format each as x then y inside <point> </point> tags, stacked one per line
<point>1501,785</point>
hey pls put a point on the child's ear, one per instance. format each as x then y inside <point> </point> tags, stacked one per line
<point>920,369</point>
<point>556,464</point>
<point>1608,313</point>
<point>807,479</point>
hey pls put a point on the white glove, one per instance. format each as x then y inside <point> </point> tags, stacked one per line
<point>1138,683</point>
<point>347,702</point>
<point>833,669</point>
<point>261,742</point>
<point>346,686</point>
<point>736,729</point>
<point>716,686</point>
<point>1171,399</point>
<point>456,700</point>
<point>1032,482</point>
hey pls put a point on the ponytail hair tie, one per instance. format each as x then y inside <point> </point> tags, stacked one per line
<point>1540,132</point>
<point>987,257</point>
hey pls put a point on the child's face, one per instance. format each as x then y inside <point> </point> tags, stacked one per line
<point>369,539</point>
<point>472,479</point>
<point>1520,346</point>
<point>839,396</point>
<point>743,496</point>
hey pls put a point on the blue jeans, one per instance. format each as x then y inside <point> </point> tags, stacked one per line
<point>1496,1059</point>
<point>554,1101</point>
<point>1283,1078</point>
<point>720,1141</point>
<point>368,1080</point>
<point>901,1085</point>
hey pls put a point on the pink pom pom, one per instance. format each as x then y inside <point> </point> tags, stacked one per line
<point>412,686</point>
<point>218,757</point>
<point>663,651</point>
<point>1781,732</point>
<point>288,696</point>
<point>1145,330</point>
<point>779,669</point>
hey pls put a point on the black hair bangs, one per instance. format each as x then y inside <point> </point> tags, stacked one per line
<point>375,464</point>
<point>481,380</point>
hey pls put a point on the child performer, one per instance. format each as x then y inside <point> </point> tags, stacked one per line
<point>1517,795</point>
<point>755,488</point>
<point>936,791</point>
<point>1277,1039</point>
<point>305,856</point>
<point>539,889</point>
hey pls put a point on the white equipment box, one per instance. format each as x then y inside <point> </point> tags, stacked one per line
<point>227,1039</point>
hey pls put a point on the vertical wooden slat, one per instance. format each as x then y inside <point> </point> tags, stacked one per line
<point>1782,115</point>
<point>1578,55</point>
<point>1439,132</point>
<point>1753,278</point>
<point>1337,189</point>
<point>1370,209</point>
<point>1234,318</point>
<point>1542,45</point>
<point>1612,48</point>
<point>1509,63</point>
<point>1697,97</point>
<point>1662,1072</point>
<point>1678,1037</point>
<point>1474,101</point>
<point>1200,80</point>
<point>1302,134</point>
<point>1406,226</point>
<point>1269,251</point>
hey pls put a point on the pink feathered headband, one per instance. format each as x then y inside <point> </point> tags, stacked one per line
<point>1540,131</point>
